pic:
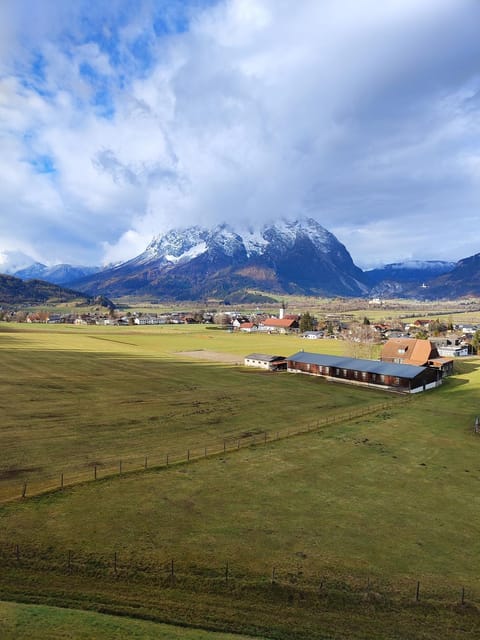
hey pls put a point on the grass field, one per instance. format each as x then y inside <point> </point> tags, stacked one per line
<point>385,500</point>
<point>75,397</point>
<point>27,622</point>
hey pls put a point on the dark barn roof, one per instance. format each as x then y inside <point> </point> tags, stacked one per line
<point>264,357</point>
<point>357,364</point>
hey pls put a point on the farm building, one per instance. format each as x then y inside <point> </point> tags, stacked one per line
<point>264,361</point>
<point>405,378</point>
<point>422,353</point>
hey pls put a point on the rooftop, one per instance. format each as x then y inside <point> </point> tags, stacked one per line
<point>264,356</point>
<point>358,364</point>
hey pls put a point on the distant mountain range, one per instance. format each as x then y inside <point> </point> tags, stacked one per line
<point>406,278</point>
<point>290,257</point>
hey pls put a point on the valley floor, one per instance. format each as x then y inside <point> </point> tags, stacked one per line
<point>363,527</point>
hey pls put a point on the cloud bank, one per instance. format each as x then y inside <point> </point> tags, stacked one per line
<point>120,122</point>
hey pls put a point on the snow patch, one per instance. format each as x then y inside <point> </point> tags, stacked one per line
<point>195,251</point>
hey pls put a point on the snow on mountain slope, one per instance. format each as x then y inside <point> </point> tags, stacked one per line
<point>299,256</point>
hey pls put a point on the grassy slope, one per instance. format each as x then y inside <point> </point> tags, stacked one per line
<point>24,622</point>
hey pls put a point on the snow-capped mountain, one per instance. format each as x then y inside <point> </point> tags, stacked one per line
<point>66,273</point>
<point>462,280</point>
<point>13,261</point>
<point>410,270</point>
<point>289,257</point>
<point>20,265</point>
<point>403,278</point>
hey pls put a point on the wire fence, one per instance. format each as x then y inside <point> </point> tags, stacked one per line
<point>109,467</point>
<point>288,579</point>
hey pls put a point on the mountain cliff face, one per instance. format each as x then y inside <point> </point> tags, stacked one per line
<point>289,257</point>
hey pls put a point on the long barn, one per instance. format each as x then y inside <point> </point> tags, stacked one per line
<point>405,378</point>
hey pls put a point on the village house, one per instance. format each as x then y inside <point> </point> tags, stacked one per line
<point>404,378</point>
<point>248,327</point>
<point>279,325</point>
<point>416,352</point>
<point>265,361</point>
<point>451,347</point>
<point>312,335</point>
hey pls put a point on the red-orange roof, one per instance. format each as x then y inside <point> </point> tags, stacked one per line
<point>284,323</point>
<point>408,351</point>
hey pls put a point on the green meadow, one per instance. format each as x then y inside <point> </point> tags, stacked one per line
<point>78,397</point>
<point>24,622</point>
<point>320,535</point>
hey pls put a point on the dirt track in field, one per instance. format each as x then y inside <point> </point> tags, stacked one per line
<point>212,356</point>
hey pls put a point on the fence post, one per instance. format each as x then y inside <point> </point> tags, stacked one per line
<point>94,471</point>
<point>273,575</point>
<point>145,465</point>
<point>417,594</point>
<point>167,459</point>
<point>24,490</point>
<point>61,481</point>
<point>188,455</point>
<point>224,446</point>
<point>172,571</point>
<point>69,560</point>
<point>120,467</point>
<point>17,551</point>
<point>115,562</point>
<point>226,572</point>
<point>463,595</point>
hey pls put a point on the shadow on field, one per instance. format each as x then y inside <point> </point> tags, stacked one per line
<point>455,382</point>
<point>466,367</point>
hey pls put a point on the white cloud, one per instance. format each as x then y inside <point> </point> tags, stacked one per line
<point>348,111</point>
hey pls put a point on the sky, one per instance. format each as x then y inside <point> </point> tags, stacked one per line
<point>122,119</point>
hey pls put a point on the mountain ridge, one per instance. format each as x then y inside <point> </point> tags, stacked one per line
<point>291,256</point>
<point>297,256</point>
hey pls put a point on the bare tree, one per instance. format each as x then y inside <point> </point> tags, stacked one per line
<point>361,341</point>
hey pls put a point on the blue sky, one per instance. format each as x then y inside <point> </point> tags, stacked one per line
<point>120,120</point>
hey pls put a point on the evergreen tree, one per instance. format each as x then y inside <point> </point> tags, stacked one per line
<point>476,341</point>
<point>307,322</point>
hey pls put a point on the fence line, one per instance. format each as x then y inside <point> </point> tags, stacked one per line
<point>113,466</point>
<point>168,571</point>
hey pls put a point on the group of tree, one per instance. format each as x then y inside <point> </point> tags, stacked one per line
<point>476,342</point>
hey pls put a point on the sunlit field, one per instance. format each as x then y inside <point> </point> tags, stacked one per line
<point>328,532</point>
